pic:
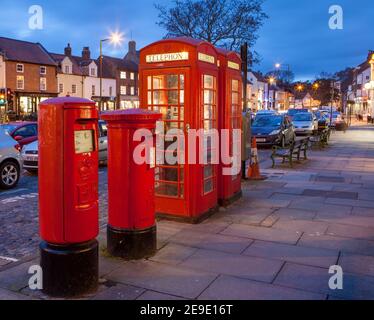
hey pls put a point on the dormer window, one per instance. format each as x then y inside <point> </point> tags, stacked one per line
<point>67,69</point>
<point>93,72</point>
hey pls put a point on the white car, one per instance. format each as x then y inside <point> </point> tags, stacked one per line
<point>10,161</point>
<point>30,151</point>
<point>305,123</point>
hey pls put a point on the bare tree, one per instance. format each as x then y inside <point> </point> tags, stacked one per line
<point>224,23</point>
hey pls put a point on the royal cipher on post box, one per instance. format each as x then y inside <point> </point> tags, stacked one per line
<point>179,79</point>
<point>68,195</point>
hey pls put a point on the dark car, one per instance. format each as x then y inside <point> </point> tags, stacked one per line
<point>273,129</point>
<point>23,132</point>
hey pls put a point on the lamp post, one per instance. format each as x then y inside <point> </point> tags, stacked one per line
<point>272,81</point>
<point>116,39</point>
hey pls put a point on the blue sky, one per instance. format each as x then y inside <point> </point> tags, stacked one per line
<point>296,32</point>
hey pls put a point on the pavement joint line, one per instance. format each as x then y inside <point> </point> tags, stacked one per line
<point>208,286</point>
<point>279,271</point>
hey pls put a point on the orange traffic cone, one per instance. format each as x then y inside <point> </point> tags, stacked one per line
<point>254,167</point>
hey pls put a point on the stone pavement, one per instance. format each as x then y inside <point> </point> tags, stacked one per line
<point>277,242</point>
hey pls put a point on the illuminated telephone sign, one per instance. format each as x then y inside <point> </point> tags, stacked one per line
<point>206,58</point>
<point>233,65</point>
<point>167,57</point>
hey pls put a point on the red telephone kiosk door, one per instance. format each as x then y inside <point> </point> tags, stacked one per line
<point>230,118</point>
<point>179,79</point>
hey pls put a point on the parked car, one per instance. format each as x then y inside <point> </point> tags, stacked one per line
<point>273,129</point>
<point>323,120</point>
<point>261,113</point>
<point>10,161</point>
<point>305,123</point>
<point>23,132</point>
<point>292,112</point>
<point>30,151</point>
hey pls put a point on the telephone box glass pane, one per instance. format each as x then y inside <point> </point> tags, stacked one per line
<point>208,82</point>
<point>84,141</point>
<point>167,96</point>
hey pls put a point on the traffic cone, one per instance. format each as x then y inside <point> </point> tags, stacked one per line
<point>254,167</point>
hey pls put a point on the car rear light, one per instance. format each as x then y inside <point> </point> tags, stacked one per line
<point>18,147</point>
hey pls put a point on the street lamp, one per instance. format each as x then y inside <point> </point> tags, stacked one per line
<point>115,38</point>
<point>278,66</point>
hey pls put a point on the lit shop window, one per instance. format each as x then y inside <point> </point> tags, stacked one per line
<point>20,82</point>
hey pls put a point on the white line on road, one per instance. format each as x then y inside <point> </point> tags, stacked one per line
<point>12,192</point>
<point>9,259</point>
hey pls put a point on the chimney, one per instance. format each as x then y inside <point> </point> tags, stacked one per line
<point>68,50</point>
<point>132,47</point>
<point>86,53</point>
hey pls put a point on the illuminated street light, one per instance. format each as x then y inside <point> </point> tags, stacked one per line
<point>116,39</point>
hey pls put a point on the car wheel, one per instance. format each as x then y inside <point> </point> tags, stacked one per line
<point>9,175</point>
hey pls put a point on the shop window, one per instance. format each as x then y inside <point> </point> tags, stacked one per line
<point>20,82</point>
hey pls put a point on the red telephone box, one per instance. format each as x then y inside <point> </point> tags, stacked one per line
<point>179,79</point>
<point>230,118</point>
<point>131,232</point>
<point>68,195</point>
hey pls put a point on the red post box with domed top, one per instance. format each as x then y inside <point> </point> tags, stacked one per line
<point>131,232</point>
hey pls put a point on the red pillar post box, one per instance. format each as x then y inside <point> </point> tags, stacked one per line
<point>68,195</point>
<point>230,119</point>
<point>131,232</point>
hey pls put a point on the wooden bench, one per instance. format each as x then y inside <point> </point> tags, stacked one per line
<point>321,139</point>
<point>291,152</point>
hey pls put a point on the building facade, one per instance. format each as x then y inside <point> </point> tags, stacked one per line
<point>78,76</point>
<point>28,70</point>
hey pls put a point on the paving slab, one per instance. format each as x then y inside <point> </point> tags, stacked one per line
<point>173,254</point>
<point>231,288</point>
<point>10,295</point>
<point>351,203</point>
<point>364,247</point>
<point>17,277</point>
<point>179,281</point>
<point>355,263</point>
<point>236,265</point>
<point>297,254</point>
<point>157,296</point>
<point>350,231</point>
<point>300,226</point>
<point>119,292</point>
<point>262,233</point>
<point>295,214</point>
<point>365,212</point>
<point>353,220</point>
